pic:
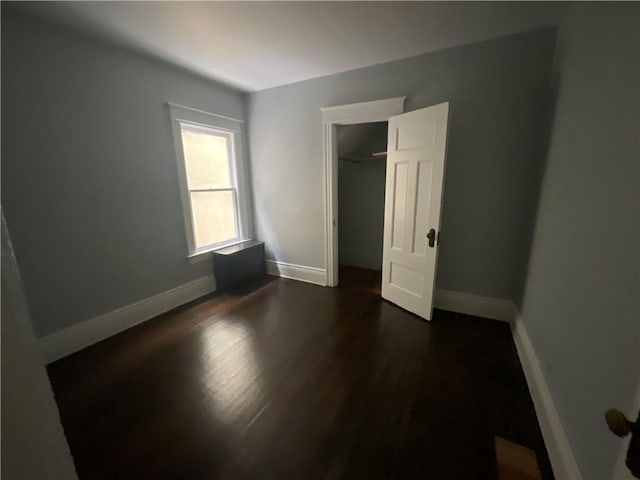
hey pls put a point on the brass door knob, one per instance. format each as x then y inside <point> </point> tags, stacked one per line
<point>617,422</point>
<point>622,426</point>
<point>432,237</point>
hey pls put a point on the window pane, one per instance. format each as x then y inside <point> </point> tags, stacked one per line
<point>213,217</point>
<point>206,159</point>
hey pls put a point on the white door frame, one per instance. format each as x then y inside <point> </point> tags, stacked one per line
<point>365,112</point>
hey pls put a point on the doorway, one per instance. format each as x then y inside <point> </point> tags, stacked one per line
<point>416,154</point>
<point>332,118</point>
<point>361,185</point>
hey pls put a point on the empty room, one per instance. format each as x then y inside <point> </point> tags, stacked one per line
<point>320,240</point>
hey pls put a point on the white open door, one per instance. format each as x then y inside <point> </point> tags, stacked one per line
<point>413,198</point>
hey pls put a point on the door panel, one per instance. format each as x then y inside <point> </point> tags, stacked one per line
<point>415,177</point>
<point>423,202</point>
<point>399,205</point>
<point>406,279</point>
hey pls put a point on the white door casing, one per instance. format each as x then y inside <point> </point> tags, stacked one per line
<point>413,200</point>
<point>365,112</point>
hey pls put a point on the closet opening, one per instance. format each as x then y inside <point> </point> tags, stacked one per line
<point>362,160</point>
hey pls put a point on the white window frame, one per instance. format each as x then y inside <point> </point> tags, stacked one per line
<point>198,120</point>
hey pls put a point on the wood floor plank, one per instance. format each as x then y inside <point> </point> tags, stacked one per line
<point>292,380</point>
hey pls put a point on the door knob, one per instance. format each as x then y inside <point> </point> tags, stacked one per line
<point>621,426</point>
<point>432,237</point>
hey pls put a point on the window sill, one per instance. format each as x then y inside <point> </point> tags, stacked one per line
<point>205,255</point>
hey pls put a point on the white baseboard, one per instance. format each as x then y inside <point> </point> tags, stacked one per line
<point>479,306</point>
<point>302,273</point>
<point>559,449</point>
<point>70,340</point>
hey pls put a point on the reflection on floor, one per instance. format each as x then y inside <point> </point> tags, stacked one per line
<point>362,279</point>
<point>298,381</point>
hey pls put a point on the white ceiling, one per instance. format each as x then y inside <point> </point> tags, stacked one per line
<point>254,46</point>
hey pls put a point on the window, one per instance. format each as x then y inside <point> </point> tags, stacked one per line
<point>208,155</point>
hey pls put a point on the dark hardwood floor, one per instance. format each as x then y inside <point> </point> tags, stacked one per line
<point>296,381</point>
<point>361,279</point>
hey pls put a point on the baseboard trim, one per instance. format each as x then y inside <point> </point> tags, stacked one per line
<point>317,276</point>
<point>469,304</point>
<point>559,449</point>
<point>75,338</point>
<point>476,305</point>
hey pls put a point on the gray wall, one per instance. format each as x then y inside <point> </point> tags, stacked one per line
<point>580,305</point>
<point>89,181</point>
<point>33,442</point>
<point>361,195</point>
<point>497,91</point>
